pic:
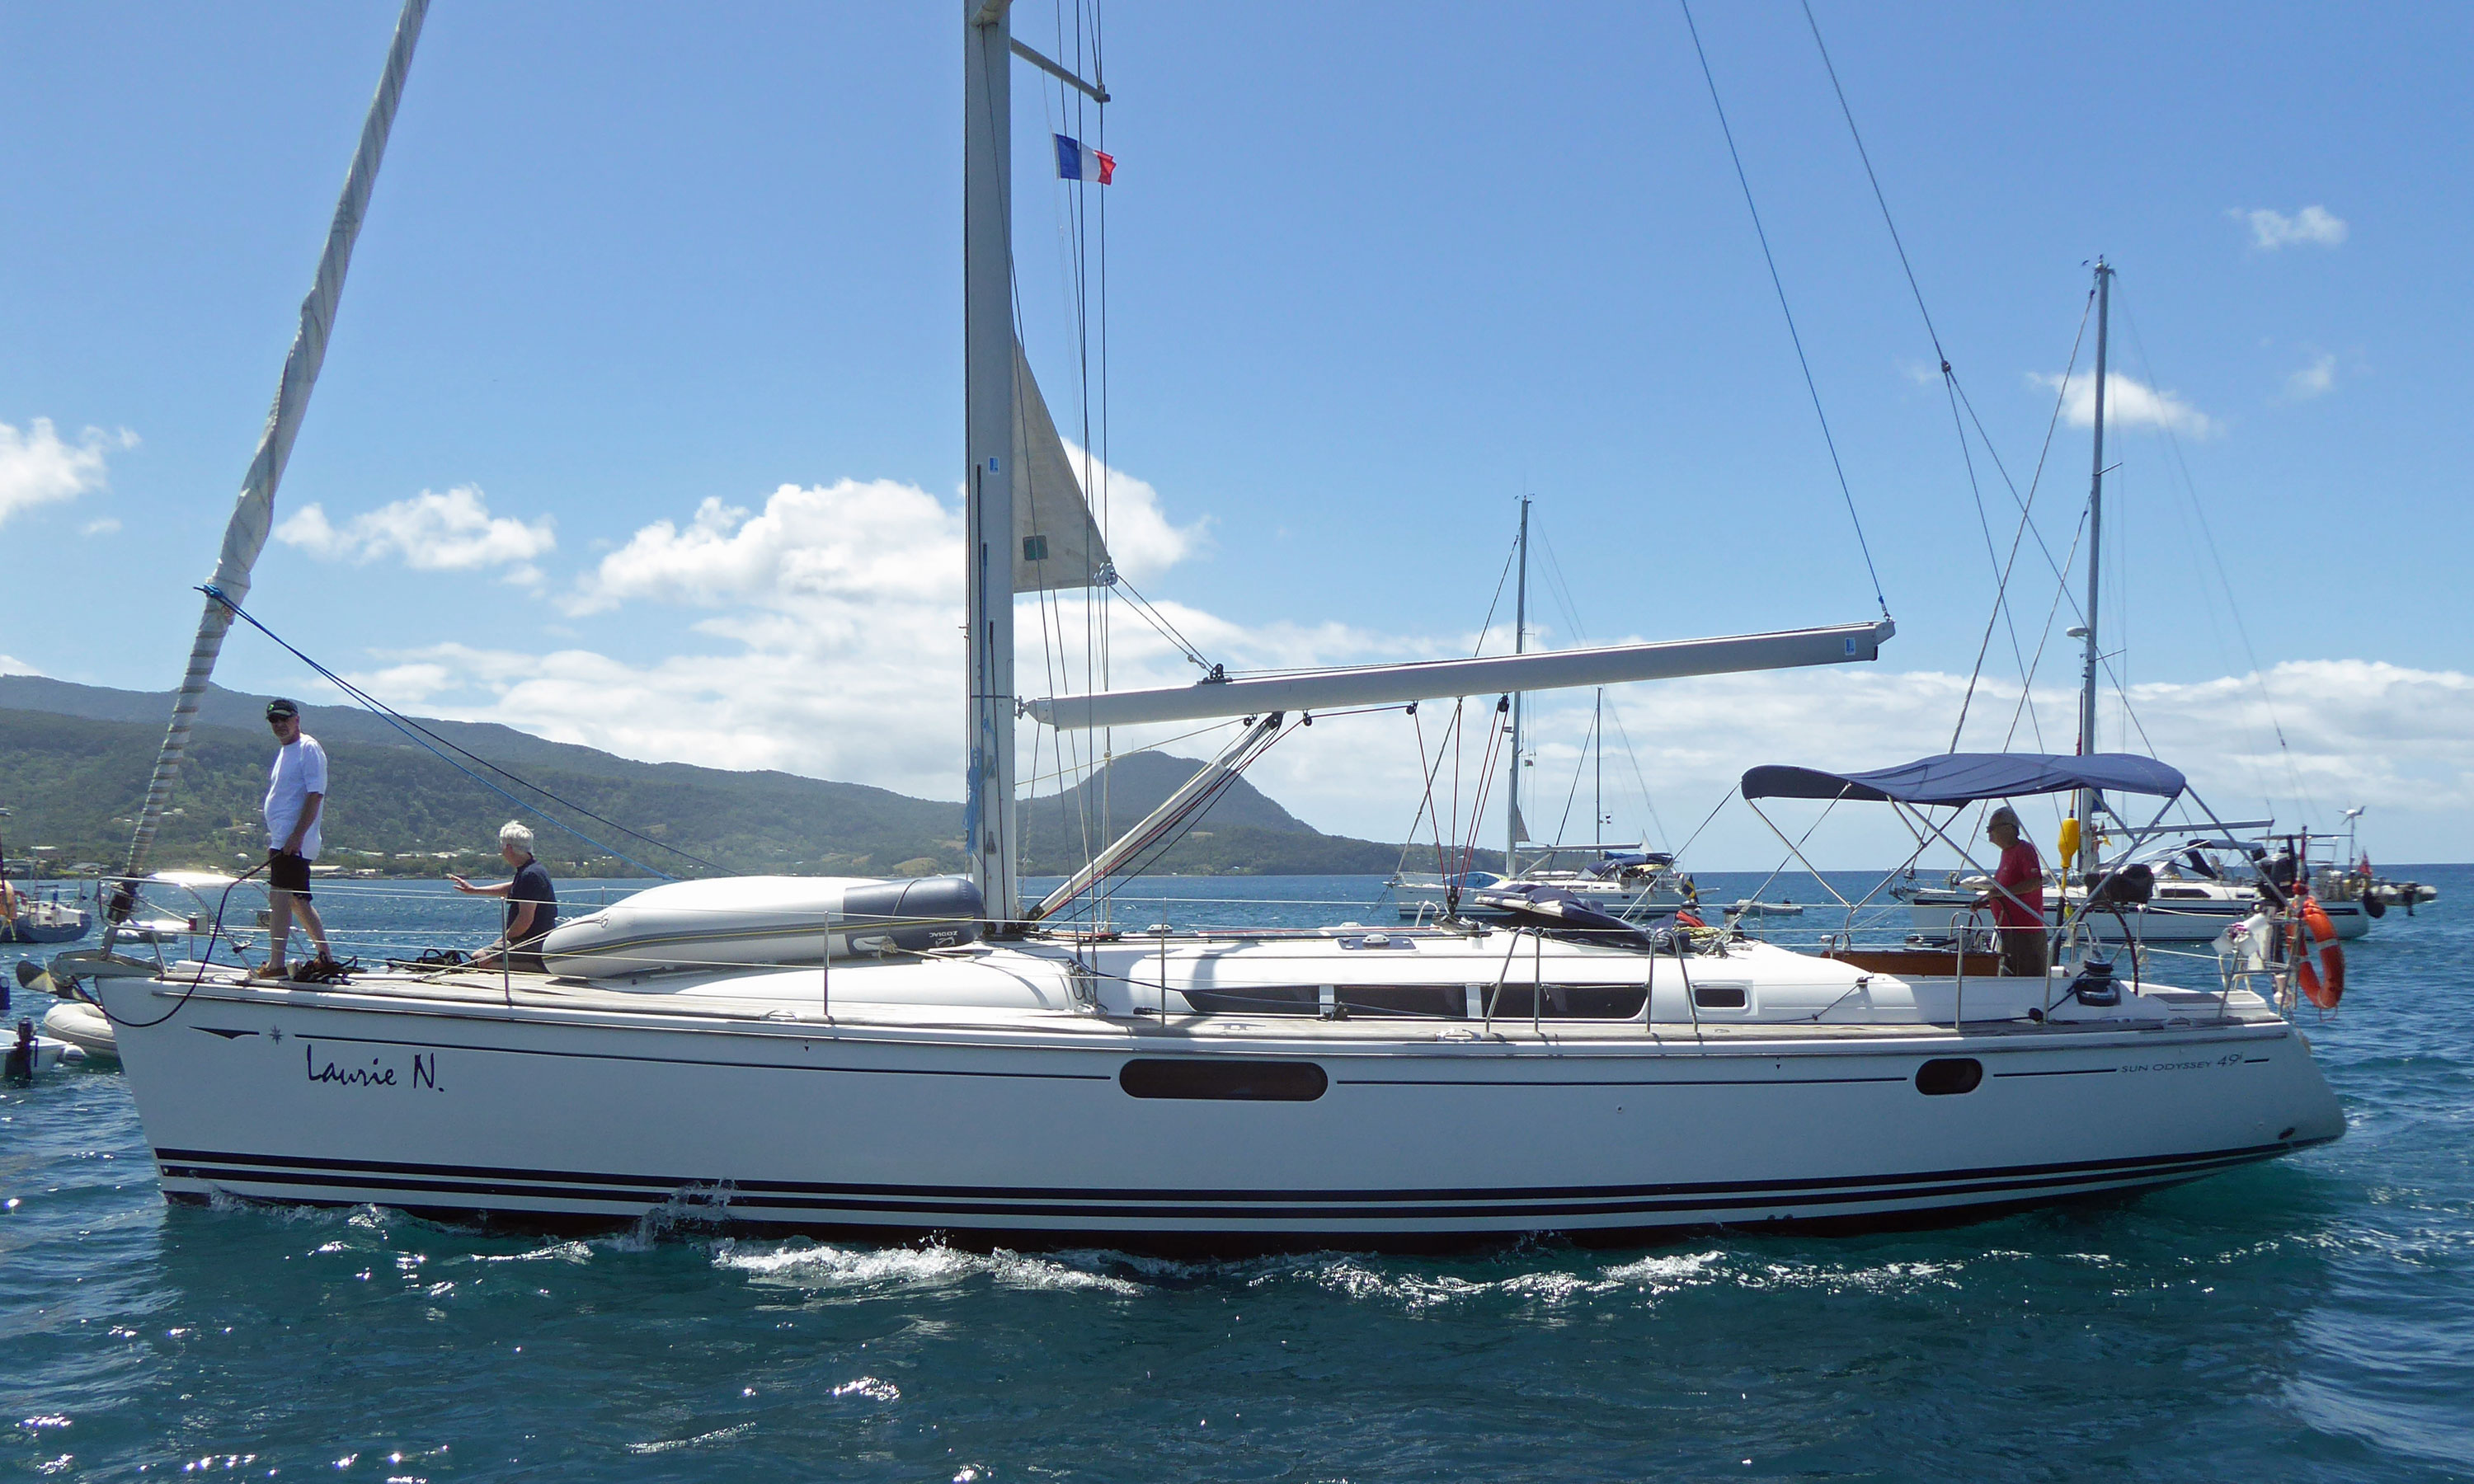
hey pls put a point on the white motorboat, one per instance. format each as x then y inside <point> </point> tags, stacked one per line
<point>30,1055</point>
<point>1629,881</point>
<point>2186,905</point>
<point>986,1070</point>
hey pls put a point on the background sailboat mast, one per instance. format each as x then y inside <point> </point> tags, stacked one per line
<point>254,513</point>
<point>2091,799</point>
<point>987,420</point>
<point>1511,830</point>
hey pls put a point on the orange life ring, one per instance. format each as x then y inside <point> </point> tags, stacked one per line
<point>2320,965</point>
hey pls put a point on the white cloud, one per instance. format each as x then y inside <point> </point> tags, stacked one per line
<point>12,665</point>
<point>453,531</point>
<point>2355,731</point>
<point>2129,403</point>
<point>107,525</point>
<point>829,639</point>
<point>2312,225</point>
<point>825,642</point>
<point>1140,539</point>
<point>36,467</point>
<point>845,543</point>
<point>2314,379</point>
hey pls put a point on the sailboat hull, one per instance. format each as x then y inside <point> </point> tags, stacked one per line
<point>1024,1132</point>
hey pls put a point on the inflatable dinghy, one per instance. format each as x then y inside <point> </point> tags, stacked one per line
<point>745,921</point>
<point>82,1025</point>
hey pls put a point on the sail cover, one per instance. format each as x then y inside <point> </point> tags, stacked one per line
<point>1057,543</point>
<point>1965,777</point>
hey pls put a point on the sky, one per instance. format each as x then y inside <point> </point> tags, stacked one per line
<point>641,422</point>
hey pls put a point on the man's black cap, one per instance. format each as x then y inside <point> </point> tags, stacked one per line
<point>278,706</point>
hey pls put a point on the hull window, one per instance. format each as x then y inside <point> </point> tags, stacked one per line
<point>1568,1001</point>
<point>1423,1001</point>
<point>1947,1076</point>
<point>1721,997</point>
<point>1272,1000</point>
<point>1223,1080</point>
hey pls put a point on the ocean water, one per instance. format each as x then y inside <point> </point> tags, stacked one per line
<point>2311,1319</point>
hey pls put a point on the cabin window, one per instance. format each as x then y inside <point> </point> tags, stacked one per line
<point>1721,996</point>
<point>1948,1075</point>
<point>1272,999</point>
<point>1568,1001</point>
<point>1429,1001</point>
<point>2184,893</point>
<point>1223,1079</point>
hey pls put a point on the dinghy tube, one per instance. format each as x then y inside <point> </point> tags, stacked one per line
<point>746,921</point>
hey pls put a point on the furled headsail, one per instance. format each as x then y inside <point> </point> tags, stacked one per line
<point>1057,543</point>
<point>253,512</point>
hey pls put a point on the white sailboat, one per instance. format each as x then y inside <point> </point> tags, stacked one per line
<point>825,1058</point>
<point>1626,880</point>
<point>2174,904</point>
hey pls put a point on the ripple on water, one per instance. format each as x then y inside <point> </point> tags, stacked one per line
<point>807,1264</point>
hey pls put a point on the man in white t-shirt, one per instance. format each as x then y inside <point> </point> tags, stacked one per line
<point>296,796</point>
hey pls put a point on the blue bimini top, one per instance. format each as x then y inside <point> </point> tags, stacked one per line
<point>1964,778</point>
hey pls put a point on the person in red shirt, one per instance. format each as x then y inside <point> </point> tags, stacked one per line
<point>2017,899</point>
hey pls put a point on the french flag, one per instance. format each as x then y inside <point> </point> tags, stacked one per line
<point>1074,162</point>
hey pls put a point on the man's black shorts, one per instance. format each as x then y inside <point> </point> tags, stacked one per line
<point>288,874</point>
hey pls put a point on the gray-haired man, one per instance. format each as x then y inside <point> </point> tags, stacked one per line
<point>2017,899</point>
<point>532,905</point>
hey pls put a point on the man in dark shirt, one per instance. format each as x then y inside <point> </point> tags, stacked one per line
<point>532,905</point>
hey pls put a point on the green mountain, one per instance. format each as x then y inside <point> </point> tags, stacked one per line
<point>74,760</point>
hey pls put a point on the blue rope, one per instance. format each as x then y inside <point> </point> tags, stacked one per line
<point>426,741</point>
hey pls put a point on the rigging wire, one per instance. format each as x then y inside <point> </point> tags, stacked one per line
<point>1780,284</point>
<point>1879,198</point>
<point>1160,623</point>
<point>1956,394</point>
<point>1561,589</point>
<point>2026,671</point>
<point>433,742</point>
<point>1641,781</point>
<point>1170,832</point>
<point>2217,562</point>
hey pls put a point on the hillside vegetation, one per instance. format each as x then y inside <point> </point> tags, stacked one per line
<point>74,762</point>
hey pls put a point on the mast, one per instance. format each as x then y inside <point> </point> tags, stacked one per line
<point>253,512</point>
<point>2092,800</point>
<point>987,423</point>
<point>1598,762</point>
<point>1519,645</point>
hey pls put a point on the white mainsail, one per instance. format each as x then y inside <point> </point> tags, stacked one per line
<point>1057,543</point>
<point>254,513</point>
<point>1311,690</point>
